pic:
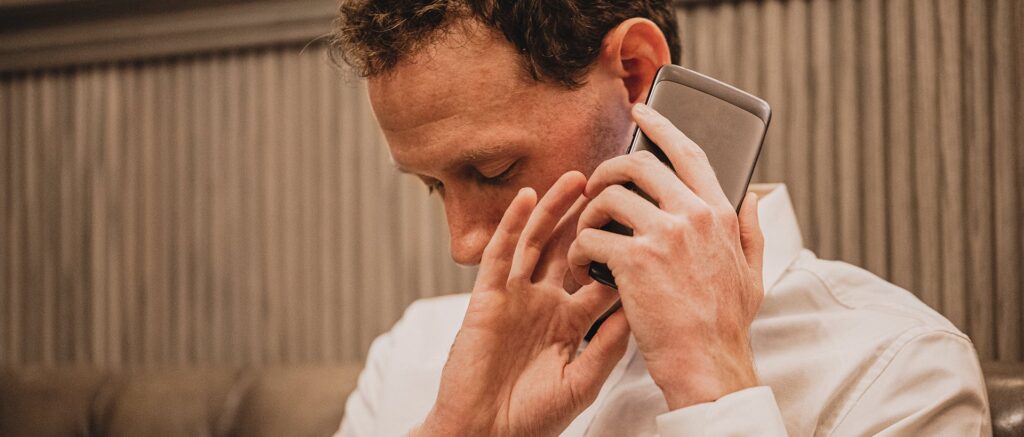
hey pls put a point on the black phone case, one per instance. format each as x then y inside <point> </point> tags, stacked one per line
<point>727,123</point>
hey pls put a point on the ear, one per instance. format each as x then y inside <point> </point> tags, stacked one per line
<point>633,51</point>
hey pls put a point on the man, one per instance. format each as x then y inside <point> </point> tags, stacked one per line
<point>516,114</point>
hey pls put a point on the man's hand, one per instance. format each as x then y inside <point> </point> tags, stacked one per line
<point>690,276</point>
<point>513,368</point>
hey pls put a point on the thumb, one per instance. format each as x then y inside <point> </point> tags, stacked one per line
<point>587,373</point>
<point>751,238</point>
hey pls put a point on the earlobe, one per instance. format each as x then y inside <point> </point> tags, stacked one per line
<point>633,51</point>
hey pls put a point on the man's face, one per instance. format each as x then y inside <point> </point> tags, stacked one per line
<point>463,116</point>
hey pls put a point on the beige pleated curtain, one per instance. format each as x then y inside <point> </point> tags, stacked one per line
<point>238,207</point>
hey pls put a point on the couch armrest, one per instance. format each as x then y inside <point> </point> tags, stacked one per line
<point>307,401</point>
<point>294,401</point>
<point>1005,382</point>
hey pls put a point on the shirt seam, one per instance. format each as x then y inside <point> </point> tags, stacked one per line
<point>831,288</point>
<point>885,359</point>
<point>884,362</point>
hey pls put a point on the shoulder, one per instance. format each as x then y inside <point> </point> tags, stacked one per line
<point>399,383</point>
<point>439,305</point>
<point>434,315</point>
<point>850,291</point>
<point>920,374</point>
<point>873,310</point>
<point>427,328</point>
<point>830,331</point>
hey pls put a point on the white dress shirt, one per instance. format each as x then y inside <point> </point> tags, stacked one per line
<point>838,351</point>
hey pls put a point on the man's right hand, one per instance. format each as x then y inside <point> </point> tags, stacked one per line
<point>513,368</point>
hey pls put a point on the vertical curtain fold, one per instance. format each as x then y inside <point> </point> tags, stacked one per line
<point>240,208</point>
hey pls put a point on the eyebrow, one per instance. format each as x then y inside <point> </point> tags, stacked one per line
<point>466,158</point>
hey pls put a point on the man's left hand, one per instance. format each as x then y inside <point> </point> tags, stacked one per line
<point>690,276</point>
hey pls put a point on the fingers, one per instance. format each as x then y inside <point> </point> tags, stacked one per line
<point>593,245</point>
<point>556,202</point>
<point>587,374</point>
<point>649,174</point>
<point>594,299</point>
<point>495,261</point>
<point>552,264</point>
<point>751,238</point>
<point>688,159</point>
<point>618,203</point>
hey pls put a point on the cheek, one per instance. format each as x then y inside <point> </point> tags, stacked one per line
<point>610,134</point>
<point>582,147</point>
<point>588,136</point>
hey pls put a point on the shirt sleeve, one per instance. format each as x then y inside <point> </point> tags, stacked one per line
<point>752,411</point>
<point>932,386</point>
<point>363,404</point>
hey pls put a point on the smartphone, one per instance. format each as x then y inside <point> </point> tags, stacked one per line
<point>728,123</point>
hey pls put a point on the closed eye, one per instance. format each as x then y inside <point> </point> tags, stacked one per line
<point>436,186</point>
<point>498,178</point>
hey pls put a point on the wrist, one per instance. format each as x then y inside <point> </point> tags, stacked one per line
<point>679,396</point>
<point>445,422</point>
<point>696,385</point>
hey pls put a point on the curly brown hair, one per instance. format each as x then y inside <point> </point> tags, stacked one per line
<point>559,40</point>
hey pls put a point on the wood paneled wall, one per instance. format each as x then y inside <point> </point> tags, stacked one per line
<point>240,208</point>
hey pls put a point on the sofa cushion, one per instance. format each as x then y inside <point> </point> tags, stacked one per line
<point>296,401</point>
<point>1005,383</point>
<point>192,402</point>
<point>302,401</point>
<point>53,402</point>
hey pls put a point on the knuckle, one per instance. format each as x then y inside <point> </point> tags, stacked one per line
<point>675,228</point>
<point>638,161</point>
<point>604,169</point>
<point>701,218</point>
<point>632,252</point>
<point>727,217</point>
<point>645,156</point>
<point>489,257</point>
<point>650,161</point>
<point>589,217</point>
<point>617,162</point>
<point>584,237</point>
<point>616,192</point>
<point>759,238</point>
<point>532,244</point>
<point>696,152</point>
<point>647,249</point>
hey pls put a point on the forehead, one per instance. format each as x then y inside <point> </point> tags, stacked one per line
<point>467,73</point>
<point>468,91</point>
<point>457,76</point>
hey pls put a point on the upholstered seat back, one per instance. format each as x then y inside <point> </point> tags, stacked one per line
<point>268,402</point>
<point>194,402</point>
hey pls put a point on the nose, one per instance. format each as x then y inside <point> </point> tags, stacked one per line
<point>470,228</point>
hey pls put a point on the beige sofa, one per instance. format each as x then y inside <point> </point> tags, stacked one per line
<point>248,402</point>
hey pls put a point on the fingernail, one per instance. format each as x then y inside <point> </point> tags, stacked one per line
<point>642,109</point>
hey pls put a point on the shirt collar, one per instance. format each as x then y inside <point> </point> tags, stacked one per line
<point>782,241</point>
